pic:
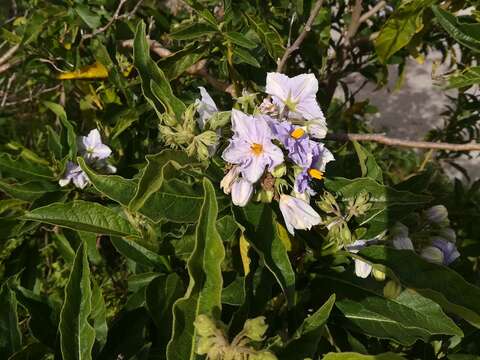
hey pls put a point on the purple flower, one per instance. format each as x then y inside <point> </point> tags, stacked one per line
<point>297,95</point>
<point>294,139</point>
<point>251,146</point>
<point>320,156</point>
<point>92,148</point>
<point>400,237</point>
<point>74,174</point>
<point>297,214</point>
<point>449,250</point>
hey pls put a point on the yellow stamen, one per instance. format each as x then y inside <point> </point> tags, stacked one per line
<point>297,133</point>
<point>257,149</point>
<point>316,174</point>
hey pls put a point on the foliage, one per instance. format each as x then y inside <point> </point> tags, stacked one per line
<point>126,233</point>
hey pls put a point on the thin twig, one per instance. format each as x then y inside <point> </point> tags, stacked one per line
<point>355,22</point>
<point>379,6</point>
<point>306,29</point>
<point>5,67</point>
<point>8,55</point>
<point>382,139</point>
<point>115,17</point>
<point>197,69</point>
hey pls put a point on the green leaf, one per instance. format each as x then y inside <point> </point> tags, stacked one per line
<point>76,334</point>
<point>32,351</point>
<point>136,252</point>
<point>159,166</point>
<point>467,34</point>
<point>43,321</point>
<point>114,187</point>
<point>368,164</point>
<point>155,86</point>
<point>270,38</point>
<point>99,315</point>
<point>71,135</point>
<point>305,341</point>
<point>10,335</point>
<point>400,28</point>
<point>435,282</point>
<point>234,293</point>
<point>162,292</point>
<point>88,16</point>
<point>27,191</point>
<point>262,233</point>
<point>177,63</point>
<point>468,77</point>
<point>243,56</point>
<point>193,31</point>
<point>203,295</point>
<point>357,356</point>
<point>84,216</point>
<point>23,169</point>
<point>405,319</point>
<point>240,39</point>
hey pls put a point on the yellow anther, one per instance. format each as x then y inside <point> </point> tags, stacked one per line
<point>257,149</point>
<point>316,174</point>
<point>297,133</point>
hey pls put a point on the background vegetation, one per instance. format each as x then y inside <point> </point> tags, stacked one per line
<point>122,268</point>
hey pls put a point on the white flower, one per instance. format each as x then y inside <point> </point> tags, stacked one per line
<point>297,94</point>
<point>241,192</point>
<point>229,178</point>
<point>206,108</point>
<point>362,268</point>
<point>297,214</point>
<point>92,148</point>
<point>74,174</point>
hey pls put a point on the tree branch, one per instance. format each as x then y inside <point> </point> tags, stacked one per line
<point>382,139</point>
<point>355,22</point>
<point>8,55</point>
<point>306,29</point>
<point>116,16</point>
<point>379,6</point>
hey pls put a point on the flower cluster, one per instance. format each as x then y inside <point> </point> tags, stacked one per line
<point>95,154</point>
<point>276,150</point>
<point>434,240</point>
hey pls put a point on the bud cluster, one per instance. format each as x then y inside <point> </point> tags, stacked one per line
<point>212,340</point>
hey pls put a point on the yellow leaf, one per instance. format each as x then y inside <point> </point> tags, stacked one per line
<point>244,247</point>
<point>94,71</point>
<point>284,237</point>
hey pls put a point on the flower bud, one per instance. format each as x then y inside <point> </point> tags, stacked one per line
<point>264,355</point>
<point>204,345</point>
<point>317,128</point>
<point>448,234</point>
<point>264,196</point>
<point>379,275</point>
<point>432,254</point>
<point>362,268</point>
<point>255,328</point>
<point>242,191</point>
<point>228,180</point>
<point>437,214</point>
<point>392,289</point>
<point>279,170</point>
<point>205,326</point>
